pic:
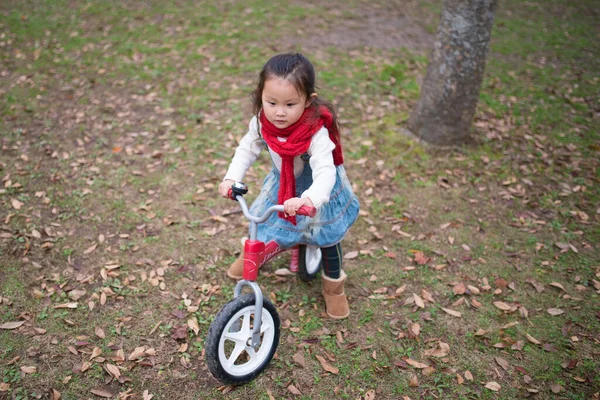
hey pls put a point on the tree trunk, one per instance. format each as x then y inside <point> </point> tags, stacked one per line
<point>451,87</point>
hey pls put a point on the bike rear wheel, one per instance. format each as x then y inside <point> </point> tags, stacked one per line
<point>229,354</point>
<point>309,262</point>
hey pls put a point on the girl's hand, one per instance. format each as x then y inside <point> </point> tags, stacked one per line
<point>291,206</point>
<point>225,186</point>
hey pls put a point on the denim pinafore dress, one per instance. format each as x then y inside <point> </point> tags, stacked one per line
<point>327,228</point>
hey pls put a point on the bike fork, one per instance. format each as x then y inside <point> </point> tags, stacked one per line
<point>258,296</point>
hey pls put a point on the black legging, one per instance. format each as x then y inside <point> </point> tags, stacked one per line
<point>332,261</point>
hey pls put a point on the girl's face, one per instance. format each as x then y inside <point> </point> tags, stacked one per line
<point>281,102</point>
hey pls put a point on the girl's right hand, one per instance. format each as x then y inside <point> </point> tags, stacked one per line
<point>225,186</point>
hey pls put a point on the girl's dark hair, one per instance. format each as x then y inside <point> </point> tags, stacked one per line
<point>299,71</point>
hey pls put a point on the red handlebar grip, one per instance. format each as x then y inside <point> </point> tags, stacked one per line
<point>230,194</point>
<point>307,210</point>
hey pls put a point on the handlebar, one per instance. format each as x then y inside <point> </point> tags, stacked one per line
<point>237,195</point>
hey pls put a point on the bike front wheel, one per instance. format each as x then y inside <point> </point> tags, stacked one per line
<point>229,354</point>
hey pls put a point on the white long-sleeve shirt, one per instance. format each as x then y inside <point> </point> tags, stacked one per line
<point>321,162</point>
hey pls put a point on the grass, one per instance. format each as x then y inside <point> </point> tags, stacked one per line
<point>125,116</point>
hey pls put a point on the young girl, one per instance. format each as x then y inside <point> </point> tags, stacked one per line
<point>301,133</point>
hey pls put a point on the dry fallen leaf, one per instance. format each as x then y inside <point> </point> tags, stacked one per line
<point>96,352</point>
<point>468,375</point>
<point>532,339</point>
<point>16,204</point>
<point>138,352</point>
<point>370,395</point>
<point>421,258</point>
<point>299,359</point>
<point>103,393</point>
<point>66,305</point>
<point>418,301</point>
<point>414,381</point>
<point>502,362</point>
<point>427,296</point>
<point>12,325</point>
<point>452,312</point>
<point>29,369</point>
<point>326,366</point>
<point>555,311</point>
<point>90,249</point>
<point>55,395</point>
<point>193,325</point>
<point>414,329</point>
<point>459,288</point>
<point>76,294</point>
<point>113,370</point>
<point>294,390</point>
<point>350,255</point>
<point>416,364</point>
<point>501,305</point>
<point>494,386</point>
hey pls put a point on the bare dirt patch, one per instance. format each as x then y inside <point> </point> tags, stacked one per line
<point>380,28</point>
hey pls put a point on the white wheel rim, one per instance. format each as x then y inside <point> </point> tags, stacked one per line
<point>243,359</point>
<point>312,259</point>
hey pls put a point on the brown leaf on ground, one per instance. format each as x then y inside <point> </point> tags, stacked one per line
<point>113,370</point>
<point>16,204</point>
<point>413,329</point>
<point>459,288</point>
<point>326,366</point>
<point>96,352</point>
<point>66,305</point>
<point>414,381</point>
<point>193,325</point>
<point>418,301</point>
<point>494,386</point>
<point>452,312</point>
<point>147,395</point>
<point>138,352</point>
<point>294,390</point>
<point>421,258</point>
<point>442,350</point>
<point>502,362</point>
<point>55,395</point>
<point>103,393</point>
<point>90,249</point>
<point>555,311</point>
<point>557,285</point>
<point>76,294</point>
<point>532,339</point>
<point>11,325</point>
<point>28,369</point>
<point>416,364</point>
<point>299,359</point>
<point>427,296</point>
<point>502,305</point>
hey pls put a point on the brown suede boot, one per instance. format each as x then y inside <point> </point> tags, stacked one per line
<point>236,269</point>
<point>336,303</point>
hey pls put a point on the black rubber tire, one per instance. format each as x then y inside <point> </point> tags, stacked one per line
<point>216,330</point>
<point>302,273</point>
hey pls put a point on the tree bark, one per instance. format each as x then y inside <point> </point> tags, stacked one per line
<point>450,90</point>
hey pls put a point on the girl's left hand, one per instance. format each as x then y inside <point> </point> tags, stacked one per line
<point>291,206</point>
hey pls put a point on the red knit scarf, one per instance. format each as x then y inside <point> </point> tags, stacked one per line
<point>299,136</point>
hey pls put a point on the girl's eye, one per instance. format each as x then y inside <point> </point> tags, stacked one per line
<point>271,103</point>
<point>290,105</point>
